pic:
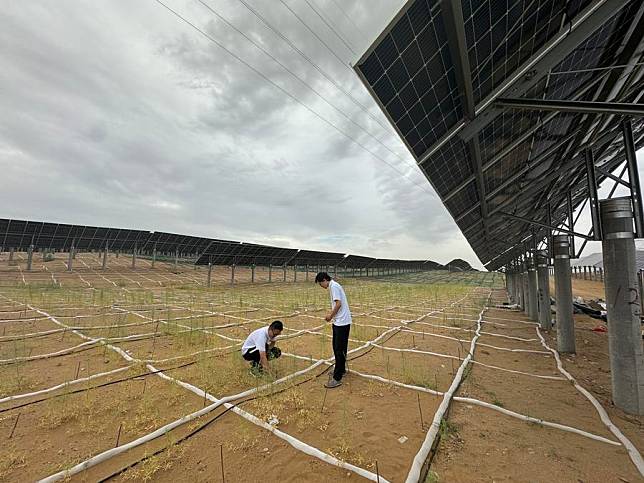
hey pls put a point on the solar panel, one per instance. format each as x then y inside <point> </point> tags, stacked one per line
<point>438,69</point>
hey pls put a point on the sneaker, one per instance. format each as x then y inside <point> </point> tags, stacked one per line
<point>332,383</point>
<point>256,371</point>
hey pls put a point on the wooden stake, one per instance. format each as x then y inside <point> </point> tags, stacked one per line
<point>145,383</point>
<point>118,435</point>
<point>324,399</point>
<point>77,370</point>
<point>14,426</point>
<point>377,473</point>
<point>221,457</point>
<point>420,410</point>
<point>205,398</point>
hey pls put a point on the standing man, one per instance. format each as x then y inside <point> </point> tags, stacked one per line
<point>341,316</point>
<point>259,346</point>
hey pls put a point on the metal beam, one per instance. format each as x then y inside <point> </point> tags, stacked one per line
<point>592,107</point>
<point>544,225</point>
<point>633,176</point>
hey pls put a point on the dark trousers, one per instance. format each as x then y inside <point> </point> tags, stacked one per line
<point>340,347</point>
<point>253,355</point>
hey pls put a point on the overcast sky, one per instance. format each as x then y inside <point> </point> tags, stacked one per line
<point>117,113</point>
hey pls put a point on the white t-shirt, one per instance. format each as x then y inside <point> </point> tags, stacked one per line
<point>343,317</point>
<point>257,339</point>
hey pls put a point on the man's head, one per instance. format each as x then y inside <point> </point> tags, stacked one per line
<point>275,328</point>
<point>323,279</point>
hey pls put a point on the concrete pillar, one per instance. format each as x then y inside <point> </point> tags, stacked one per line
<point>232,274</point>
<point>295,273</point>
<point>70,259</point>
<point>134,257</point>
<point>585,273</point>
<point>30,257</point>
<point>623,305</point>
<point>563,294</point>
<point>176,259</point>
<point>543,291</point>
<point>601,274</point>
<point>526,298</point>
<point>532,288</point>
<point>270,272</point>
<point>284,273</point>
<point>252,274</point>
<point>11,251</point>
<point>335,271</point>
<point>306,277</point>
<point>209,274</point>
<point>154,255</point>
<point>105,252</point>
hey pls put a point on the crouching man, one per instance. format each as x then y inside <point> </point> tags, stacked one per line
<point>259,347</point>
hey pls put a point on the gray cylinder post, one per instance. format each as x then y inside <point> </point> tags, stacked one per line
<point>622,305</point>
<point>30,256</point>
<point>154,255</point>
<point>532,288</point>
<point>270,272</point>
<point>11,251</point>
<point>232,274</point>
<point>306,277</point>
<point>543,291</point>
<point>252,274</point>
<point>209,274</point>
<point>105,252</point>
<point>176,259</point>
<point>134,257</point>
<point>563,294</point>
<point>70,259</point>
<point>295,273</point>
<point>525,289</point>
<point>335,271</point>
<point>284,273</point>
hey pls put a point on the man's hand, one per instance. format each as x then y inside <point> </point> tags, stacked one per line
<point>336,309</point>
<point>329,317</point>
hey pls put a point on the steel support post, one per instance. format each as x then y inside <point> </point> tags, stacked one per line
<point>209,274</point>
<point>134,257</point>
<point>232,274</point>
<point>154,255</point>
<point>306,277</point>
<point>105,252</point>
<point>295,273</point>
<point>532,287</point>
<point>284,273</point>
<point>11,252</point>
<point>252,274</point>
<point>270,272</point>
<point>176,259</point>
<point>563,294</point>
<point>543,290</point>
<point>30,257</point>
<point>623,305</point>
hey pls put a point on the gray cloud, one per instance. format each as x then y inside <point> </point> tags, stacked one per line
<point>116,113</point>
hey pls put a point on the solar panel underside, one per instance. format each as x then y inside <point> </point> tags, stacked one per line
<point>529,159</point>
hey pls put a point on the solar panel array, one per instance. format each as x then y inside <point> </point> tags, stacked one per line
<point>438,69</point>
<point>20,235</point>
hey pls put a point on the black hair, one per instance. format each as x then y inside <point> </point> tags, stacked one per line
<point>276,325</point>
<point>320,277</point>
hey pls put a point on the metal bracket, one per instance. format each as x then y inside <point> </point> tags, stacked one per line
<point>592,194</point>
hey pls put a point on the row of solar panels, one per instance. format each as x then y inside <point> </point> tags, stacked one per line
<point>20,235</point>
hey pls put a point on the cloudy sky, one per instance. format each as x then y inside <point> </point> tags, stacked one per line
<point>118,113</point>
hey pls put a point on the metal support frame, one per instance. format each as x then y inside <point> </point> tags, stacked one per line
<point>154,255</point>
<point>270,272</point>
<point>592,195</point>
<point>134,257</point>
<point>232,274</point>
<point>591,107</point>
<point>209,282</point>
<point>252,273</point>
<point>633,176</point>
